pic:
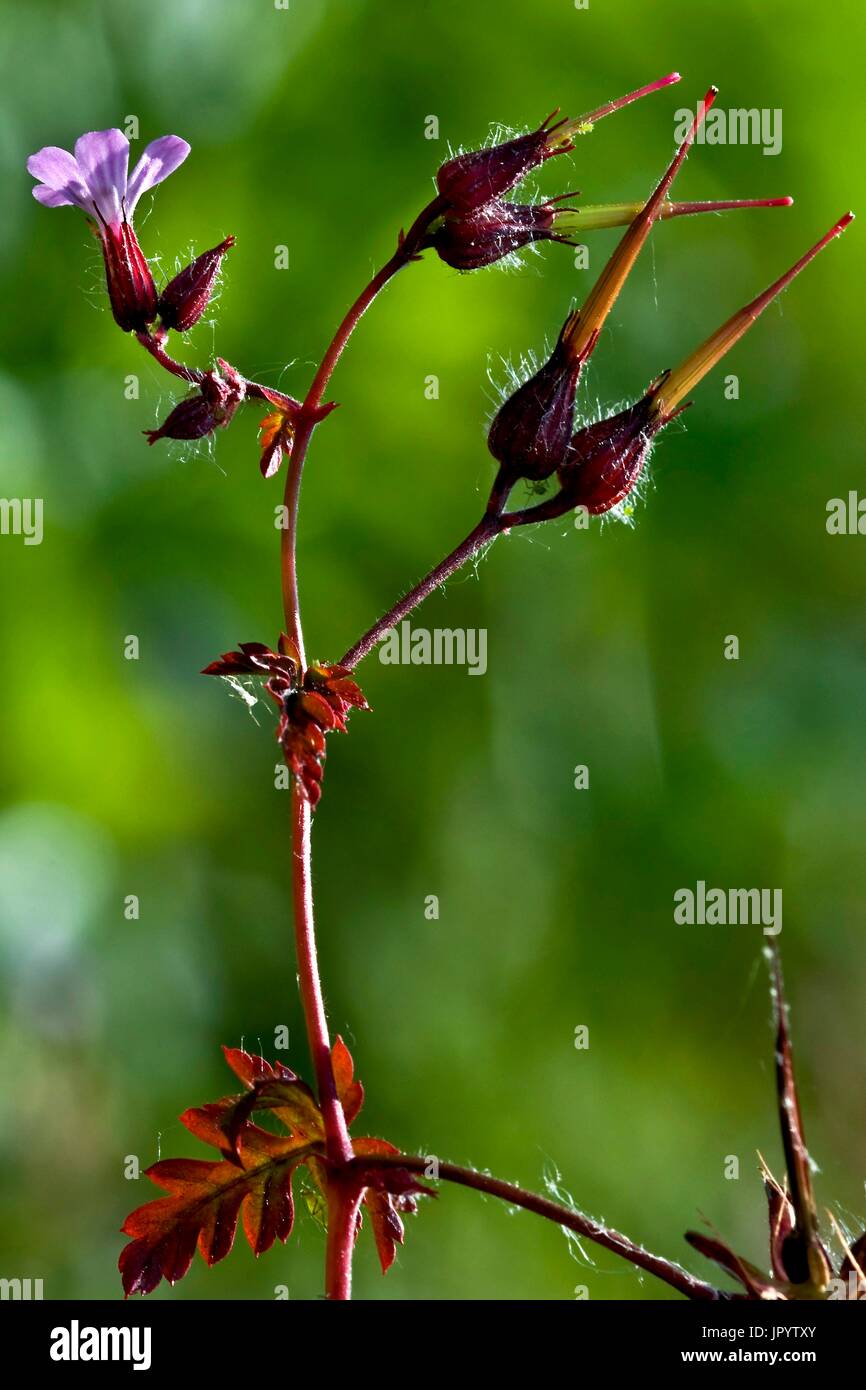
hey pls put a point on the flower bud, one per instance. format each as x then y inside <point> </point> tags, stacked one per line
<point>192,418</point>
<point>131,290</point>
<point>606,459</point>
<point>496,230</point>
<point>531,431</point>
<point>185,298</point>
<point>220,394</point>
<point>470,180</point>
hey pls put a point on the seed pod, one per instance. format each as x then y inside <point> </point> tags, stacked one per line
<point>220,393</point>
<point>185,298</point>
<point>532,430</point>
<point>469,181</point>
<point>494,231</point>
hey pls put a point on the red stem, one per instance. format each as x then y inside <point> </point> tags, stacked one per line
<point>338,1144</point>
<point>490,525</point>
<point>343,1203</point>
<point>666,1270</point>
<point>409,248</point>
<point>344,1198</point>
<point>288,537</point>
<point>157,351</point>
<point>487,528</point>
<point>345,1189</point>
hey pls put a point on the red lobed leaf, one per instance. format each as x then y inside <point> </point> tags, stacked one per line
<point>250,1068</point>
<point>312,703</point>
<point>253,1178</point>
<point>320,711</point>
<point>388,1228</point>
<point>390,1191</point>
<point>220,1122</point>
<point>273,1087</point>
<point>203,1207</point>
<point>349,1091</point>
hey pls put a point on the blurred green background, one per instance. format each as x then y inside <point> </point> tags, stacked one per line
<point>605,648</point>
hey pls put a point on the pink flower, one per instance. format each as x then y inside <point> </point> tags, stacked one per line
<point>96,179</point>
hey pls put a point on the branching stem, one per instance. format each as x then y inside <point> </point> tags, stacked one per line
<point>567,1217</point>
<point>486,530</point>
<point>347,1173</point>
<point>154,345</point>
<point>492,524</point>
<point>344,1197</point>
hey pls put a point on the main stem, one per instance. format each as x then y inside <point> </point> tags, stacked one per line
<point>288,537</point>
<point>344,1195</point>
<point>342,1205</point>
<point>344,1199</point>
<point>339,1147</point>
<point>408,249</point>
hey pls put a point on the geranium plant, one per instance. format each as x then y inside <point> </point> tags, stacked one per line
<point>547,462</point>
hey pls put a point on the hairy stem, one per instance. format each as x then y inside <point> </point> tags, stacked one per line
<point>288,537</point>
<point>408,249</point>
<point>670,1273</point>
<point>337,1135</point>
<point>153,345</point>
<point>344,1200</point>
<point>487,529</point>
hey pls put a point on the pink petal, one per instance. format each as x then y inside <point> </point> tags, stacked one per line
<point>103,157</point>
<point>53,166</point>
<point>57,171</point>
<point>52,197</point>
<point>160,158</point>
